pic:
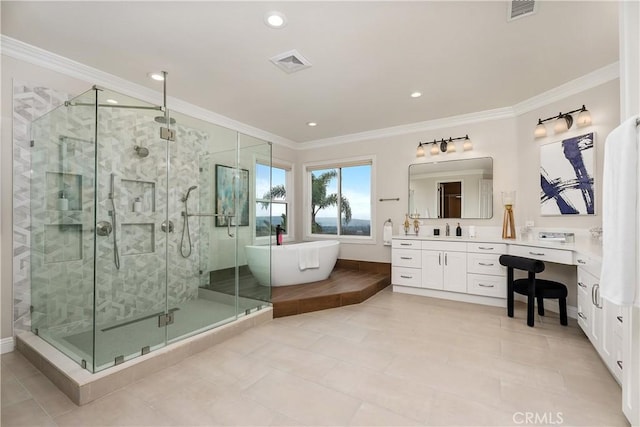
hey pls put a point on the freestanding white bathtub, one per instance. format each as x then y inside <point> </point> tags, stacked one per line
<point>286,262</point>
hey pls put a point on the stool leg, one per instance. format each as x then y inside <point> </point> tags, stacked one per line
<point>510,292</point>
<point>531,298</point>
<point>541,306</point>
<point>563,311</point>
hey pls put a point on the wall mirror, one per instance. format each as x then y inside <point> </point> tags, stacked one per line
<point>452,189</point>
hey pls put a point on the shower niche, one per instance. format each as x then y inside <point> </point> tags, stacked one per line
<point>138,196</point>
<point>64,191</point>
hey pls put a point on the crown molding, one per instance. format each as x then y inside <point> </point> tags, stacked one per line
<point>37,56</point>
<point>588,81</point>
<point>481,116</point>
<point>34,55</point>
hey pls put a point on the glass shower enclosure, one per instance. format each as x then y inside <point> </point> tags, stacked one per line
<point>138,225</point>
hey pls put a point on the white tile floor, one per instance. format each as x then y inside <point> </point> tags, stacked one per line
<point>393,360</point>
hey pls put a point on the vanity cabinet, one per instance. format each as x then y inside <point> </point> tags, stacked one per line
<point>406,262</point>
<point>444,269</point>
<point>600,319</point>
<point>485,275</point>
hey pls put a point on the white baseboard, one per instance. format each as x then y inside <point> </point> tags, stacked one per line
<point>7,345</point>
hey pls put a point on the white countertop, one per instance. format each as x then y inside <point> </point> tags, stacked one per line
<point>582,245</point>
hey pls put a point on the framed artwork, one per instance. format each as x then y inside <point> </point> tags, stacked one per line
<point>232,183</point>
<point>566,176</point>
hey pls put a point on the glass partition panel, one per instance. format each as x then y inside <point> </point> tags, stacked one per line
<point>131,197</point>
<point>62,227</point>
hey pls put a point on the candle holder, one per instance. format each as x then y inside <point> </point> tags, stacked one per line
<point>416,223</point>
<point>406,225</point>
<point>508,223</point>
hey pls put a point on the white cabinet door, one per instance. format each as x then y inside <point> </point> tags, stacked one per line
<point>432,262</point>
<point>592,309</point>
<point>455,271</point>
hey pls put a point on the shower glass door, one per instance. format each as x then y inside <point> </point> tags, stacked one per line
<point>131,198</point>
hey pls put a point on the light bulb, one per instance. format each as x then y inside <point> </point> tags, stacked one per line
<point>420,151</point>
<point>434,150</point>
<point>561,125</point>
<point>584,118</point>
<point>541,130</point>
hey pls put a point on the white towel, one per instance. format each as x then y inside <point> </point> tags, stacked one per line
<point>308,258</point>
<point>387,233</point>
<point>620,216</point>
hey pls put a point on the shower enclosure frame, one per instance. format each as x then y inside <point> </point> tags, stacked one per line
<point>71,224</point>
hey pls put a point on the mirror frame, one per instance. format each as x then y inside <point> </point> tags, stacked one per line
<point>453,172</point>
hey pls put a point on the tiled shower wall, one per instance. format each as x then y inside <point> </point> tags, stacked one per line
<point>63,263</point>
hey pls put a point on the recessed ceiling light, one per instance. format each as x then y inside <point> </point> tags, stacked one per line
<point>112,101</point>
<point>275,19</point>
<point>156,76</point>
<point>312,124</point>
<point>416,94</point>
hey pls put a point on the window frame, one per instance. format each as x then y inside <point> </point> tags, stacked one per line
<point>308,168</point>
<point>288,201</point>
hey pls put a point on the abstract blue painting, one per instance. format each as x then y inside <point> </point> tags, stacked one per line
<point>566,176</point>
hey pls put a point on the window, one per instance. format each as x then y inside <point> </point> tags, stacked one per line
<point>271,198</point>
<point>339,198</point>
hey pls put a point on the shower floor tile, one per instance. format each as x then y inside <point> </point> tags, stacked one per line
<point>128,339</point>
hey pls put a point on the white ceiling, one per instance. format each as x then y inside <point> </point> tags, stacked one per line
<point>367,56</point>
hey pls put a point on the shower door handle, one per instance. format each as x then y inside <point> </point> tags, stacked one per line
<point>167,225</point>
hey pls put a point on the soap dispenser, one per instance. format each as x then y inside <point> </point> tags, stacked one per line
<point>137,205</point>
<point>459,230</point>
<point>63,202</point>
<point>447,231</point>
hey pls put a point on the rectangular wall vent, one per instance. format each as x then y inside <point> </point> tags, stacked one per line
<point>521,8</point>
<point>291,61</point>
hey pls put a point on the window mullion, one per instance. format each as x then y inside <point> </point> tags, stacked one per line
<point>339,229</point>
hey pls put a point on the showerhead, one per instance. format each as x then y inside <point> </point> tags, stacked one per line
<point>162,120</point>
<point>141,151</point>
<point>186,196</point>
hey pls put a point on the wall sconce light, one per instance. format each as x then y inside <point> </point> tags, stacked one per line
<point>563,122</point>
<point>446,146</point>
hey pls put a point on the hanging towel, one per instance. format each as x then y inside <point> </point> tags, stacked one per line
<point>308,258</point>
<point>387,232</point>
<point>620,216</point>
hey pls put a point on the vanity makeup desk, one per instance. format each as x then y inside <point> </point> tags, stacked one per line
<point>467,269</point>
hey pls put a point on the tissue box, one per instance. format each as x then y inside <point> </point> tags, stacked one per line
<point>557,237</point>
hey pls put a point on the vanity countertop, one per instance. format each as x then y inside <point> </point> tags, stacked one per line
<point>583,245</point>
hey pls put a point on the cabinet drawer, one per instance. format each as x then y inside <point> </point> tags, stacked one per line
<point>490,286</point>
<point>485,264</point>
<point>439,245</point>
<point>406,276</point>
<point>487,248</point>
<point>560,256</point>
<point>406,244</point>
<point>406,258</point>
<point>589,263</point>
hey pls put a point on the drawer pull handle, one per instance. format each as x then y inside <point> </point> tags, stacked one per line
<point>406,277</point>
<point>619,318</point>
<point>406,257</point>
<point>582,316</point>
<point>619,362</point>
<point>536,253</point>
<point>581,261</point>
<point>582,285</point>
<point>486,264</point>
<point>485,248</point>
<point>485,286</point>
<point>406,244</point>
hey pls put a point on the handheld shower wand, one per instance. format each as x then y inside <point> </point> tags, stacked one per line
<point>185,224</point>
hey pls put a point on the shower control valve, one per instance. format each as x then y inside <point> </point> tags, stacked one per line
<point>167,226</point>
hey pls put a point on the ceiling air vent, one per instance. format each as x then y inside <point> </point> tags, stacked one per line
<point>520,9</point>
<point>291,61</point>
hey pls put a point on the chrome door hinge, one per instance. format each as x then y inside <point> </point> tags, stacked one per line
<point>168,134</point>
<point>165,319</point>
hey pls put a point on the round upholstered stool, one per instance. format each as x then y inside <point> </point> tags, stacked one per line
<point>533,288</point>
